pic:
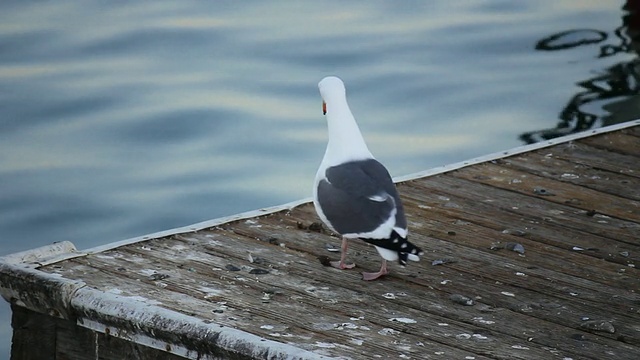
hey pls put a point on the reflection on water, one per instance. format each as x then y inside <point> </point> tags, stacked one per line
<point>611,97</point>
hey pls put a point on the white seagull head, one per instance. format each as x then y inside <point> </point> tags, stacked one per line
<point>331,89</point>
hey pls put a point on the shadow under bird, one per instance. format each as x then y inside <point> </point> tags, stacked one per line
<point>353,193</point>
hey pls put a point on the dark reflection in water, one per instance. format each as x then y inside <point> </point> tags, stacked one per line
<point>610,98</point>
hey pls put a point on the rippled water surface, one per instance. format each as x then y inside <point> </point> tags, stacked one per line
<point>120,119</point>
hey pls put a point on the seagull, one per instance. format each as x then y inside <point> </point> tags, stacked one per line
<point>353,193</point>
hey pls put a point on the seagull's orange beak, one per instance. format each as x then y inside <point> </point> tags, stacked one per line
<point>324,108</point>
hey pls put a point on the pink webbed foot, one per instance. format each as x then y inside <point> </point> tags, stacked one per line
<point>342,265</point>
<point>369,276</point>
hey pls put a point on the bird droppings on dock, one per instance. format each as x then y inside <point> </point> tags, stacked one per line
<point>481,320</point>
<point>403,320</point>
<point>598,325</point>
<point>332,248</point>
<point>255,286</point>
<point>158,276</point>
<point>462,300</point>
<point>442,261</point>
<point>388,331</point>
<point>516,247</point>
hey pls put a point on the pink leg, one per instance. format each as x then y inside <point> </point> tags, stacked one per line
<point>372,276</point>
<point>342,264</point>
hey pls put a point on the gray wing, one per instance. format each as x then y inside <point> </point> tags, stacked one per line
<point>345,197</point>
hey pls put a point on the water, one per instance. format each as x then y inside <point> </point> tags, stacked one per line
<point>124,119</point>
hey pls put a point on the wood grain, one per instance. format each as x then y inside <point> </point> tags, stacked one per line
<point>572,209</point>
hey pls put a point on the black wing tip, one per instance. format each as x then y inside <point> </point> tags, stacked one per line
<point>399,244</point>
<point>407,249</point>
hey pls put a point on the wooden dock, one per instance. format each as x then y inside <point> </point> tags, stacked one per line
<point>529,254</point>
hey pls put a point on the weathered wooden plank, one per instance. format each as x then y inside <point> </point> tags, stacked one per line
<point>616,142</point>
<point>202,298</point>
<point>405,288</point>
<point>438,214</point>
<point>456,255</point>
<point>477,237</point>
<point>36,290</point>
<point>276,248</point>
<point>472,284</point>
<point>77,343</point>
<point>565,271</point>
<point>503,211</point>
<point>579,174</point>
<point>340,303</point>
<point>243,299</point>
<point>458,206</point>
<point>580,153</point>
<point>39,336</point>
<point>113,348</point>
<point>37,256</point>
<point>34,335</point>
<point>288,315</point>
<point>543,255</point>
<point>589,200</point>
<point>540,209</point>
<point>128,283</point>
<point>469,256</point>
<point>633,131</point>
